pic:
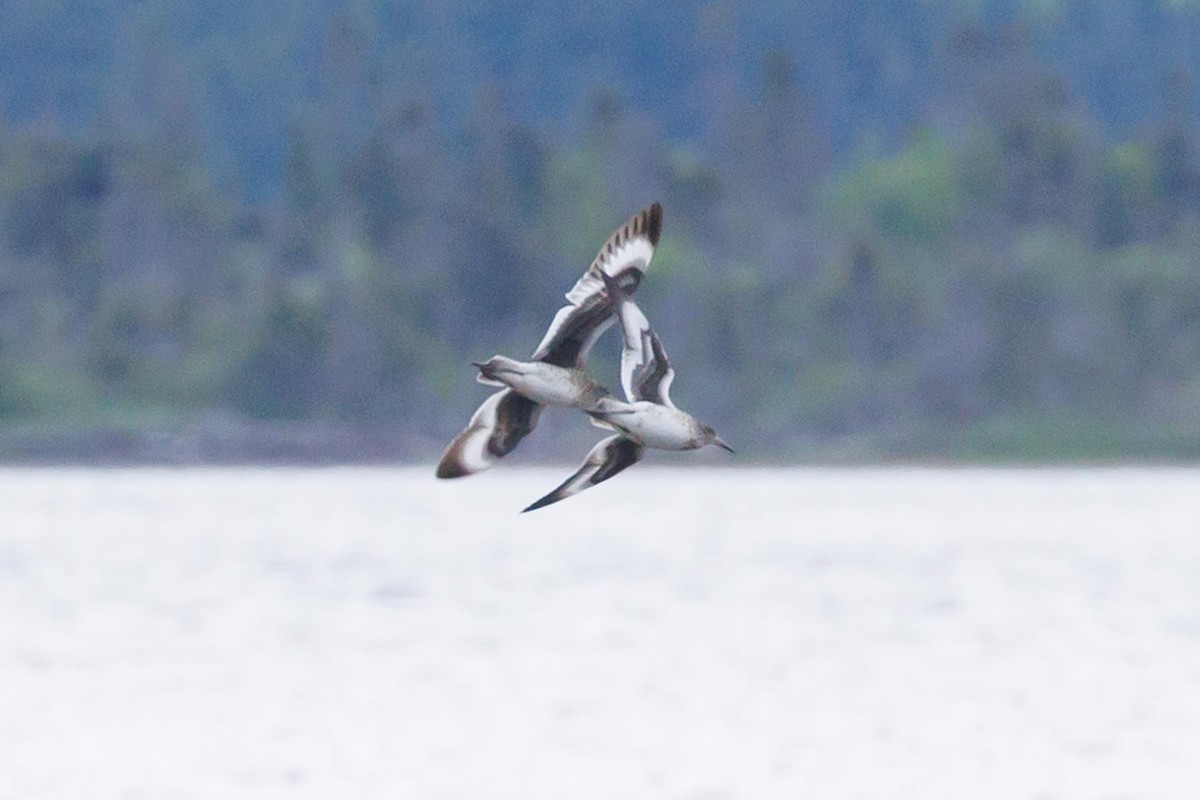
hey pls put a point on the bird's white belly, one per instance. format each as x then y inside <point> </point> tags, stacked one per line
<point>549,385</point>
<point>659,427</point>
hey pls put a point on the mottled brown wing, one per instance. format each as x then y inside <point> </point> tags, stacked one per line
<point>495,429</point>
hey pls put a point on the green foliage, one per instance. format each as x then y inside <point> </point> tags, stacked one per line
<point>1061,438</point>
<point>580,203</point>
<point>911,197</point>
<point>34,392</point>
<point>279,378</point>
<point>915,234</point>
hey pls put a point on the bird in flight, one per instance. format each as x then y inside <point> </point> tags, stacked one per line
<point>554,376</point>
<point>647,419</point>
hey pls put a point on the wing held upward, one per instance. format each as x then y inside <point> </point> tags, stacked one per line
<point>624,257</point>
<point>645,372</point>
<point>605,460</point>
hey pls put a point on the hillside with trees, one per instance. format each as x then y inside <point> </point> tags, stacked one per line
<point>892,230</point>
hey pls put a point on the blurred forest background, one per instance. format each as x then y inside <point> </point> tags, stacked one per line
<point>892,229</point>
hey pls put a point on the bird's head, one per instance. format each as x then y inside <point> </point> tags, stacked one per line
<point>491,370</point>
<point>710,437</point>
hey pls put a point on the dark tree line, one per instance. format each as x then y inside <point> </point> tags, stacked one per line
<point>891,229</point>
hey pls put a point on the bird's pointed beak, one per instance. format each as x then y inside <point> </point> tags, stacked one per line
<point>719,442</point>
<point>478,364</point>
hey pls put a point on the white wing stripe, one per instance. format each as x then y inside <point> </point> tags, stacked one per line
<point>636,253</point>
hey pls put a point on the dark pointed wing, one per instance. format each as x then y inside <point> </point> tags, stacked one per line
<point>606,459</point>
<point>573,332</point>
<point>624,257</point>
<point>495,429</point>
<point>645,372</point>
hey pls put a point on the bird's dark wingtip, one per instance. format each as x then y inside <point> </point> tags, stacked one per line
<point>549,499</point>
<point>450,468</point>
<point>654,222</point>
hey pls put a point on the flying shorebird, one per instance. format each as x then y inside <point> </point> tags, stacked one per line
<point>554,375</point>
<point>648,419</point>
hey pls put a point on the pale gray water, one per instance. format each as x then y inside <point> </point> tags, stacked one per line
<point>695,634</point>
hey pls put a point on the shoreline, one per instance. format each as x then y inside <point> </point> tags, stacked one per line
<point>226,442</point>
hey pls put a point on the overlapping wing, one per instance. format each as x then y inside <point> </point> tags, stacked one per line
<point>494,430</point>
<point>506,417</point>
<point>624,258</point>
<point>645,372</point>
<point>606,459</point>
<point>645,375</point>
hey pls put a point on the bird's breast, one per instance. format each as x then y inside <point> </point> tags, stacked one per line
<point>658,426</point>
<point>556,386</point>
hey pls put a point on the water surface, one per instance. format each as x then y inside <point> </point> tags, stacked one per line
<point>693,634</point>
